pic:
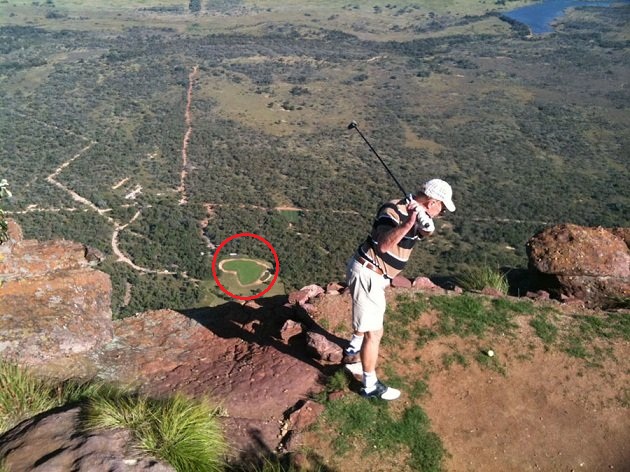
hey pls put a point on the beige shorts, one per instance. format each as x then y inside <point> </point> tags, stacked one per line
<point>368,296</point>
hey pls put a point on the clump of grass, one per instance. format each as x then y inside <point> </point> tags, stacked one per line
<point>373,424</point>
<point>491,363</point>
<point>180,431</point>
<point>544,328</point>
<point>337,381</point>
<point>578,340</point>
<point>24,395</point>
<point>408,309</point>
<point>478,278</point>
<point>454,358</point>
<point>468,315</point>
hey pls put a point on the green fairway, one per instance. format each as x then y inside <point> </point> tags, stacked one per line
<point>247,271</point>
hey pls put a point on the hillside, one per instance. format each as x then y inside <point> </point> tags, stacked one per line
<point>152,132</point>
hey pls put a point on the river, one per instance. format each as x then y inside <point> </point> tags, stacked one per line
<point>540,16</point>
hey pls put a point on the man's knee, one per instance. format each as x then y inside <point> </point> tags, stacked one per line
<point>374,336</point>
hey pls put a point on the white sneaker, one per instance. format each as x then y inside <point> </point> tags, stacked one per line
<point>381,391</point>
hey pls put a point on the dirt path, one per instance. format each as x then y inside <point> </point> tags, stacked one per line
<point>118,227</point>
<point>75,196</point>
<point>188,119</point>
<point>122,257</point>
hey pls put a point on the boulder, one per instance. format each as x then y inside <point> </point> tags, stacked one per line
<point>334,288</point>
<point>591,264</point>
<point>230,352</point>
<point>424,283</point>
<point>47,318</point>
<point>401,282</point>
<point>324,349</point>
<point>303,295</point>
<point>55,441</point>
<point>53,304</point>
<point>30,258</point>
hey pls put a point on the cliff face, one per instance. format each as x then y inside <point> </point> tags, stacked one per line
<point>53,304</point>
<point>261,360</point>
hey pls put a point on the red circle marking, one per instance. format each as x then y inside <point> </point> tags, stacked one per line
<point>242,235</point>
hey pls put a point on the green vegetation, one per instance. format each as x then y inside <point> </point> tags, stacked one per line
<point>478,278</point>
<point>375,429</point>
<point>545,329</point>
<point>23,395</point>
<point>182,432</point>
<point>247,271</point>
<point>94,98</point>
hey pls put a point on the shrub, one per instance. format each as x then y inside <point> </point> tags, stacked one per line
<point>478,278</point>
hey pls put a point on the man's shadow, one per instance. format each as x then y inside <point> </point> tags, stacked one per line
<point>263,325</point>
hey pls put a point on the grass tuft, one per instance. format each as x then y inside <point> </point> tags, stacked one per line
<point>180,431</point>
<point>544,328</point>
<point>478,278</point>
<point>24,395</point>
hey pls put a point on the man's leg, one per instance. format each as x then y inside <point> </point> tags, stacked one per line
<point>369,358</point>
<point>351,353</point>
<point>369,351</point>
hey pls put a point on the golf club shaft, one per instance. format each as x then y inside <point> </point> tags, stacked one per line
<point>407,195</point>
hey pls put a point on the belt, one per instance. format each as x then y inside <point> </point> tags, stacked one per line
<point>365,263</point>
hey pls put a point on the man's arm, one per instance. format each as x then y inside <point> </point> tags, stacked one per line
<point>390,239</point>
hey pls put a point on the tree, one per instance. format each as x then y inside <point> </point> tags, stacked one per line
<point>194,6</point>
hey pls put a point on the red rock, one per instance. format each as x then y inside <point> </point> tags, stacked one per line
<point>539,295</point>
<point>303,295</point>
<point>289,329</point>
<point>313,290</point>
<point>334,288</point>
<point>53,317</point>
<point>56,441</point>
<point>401,282</point>
<point>424,283</point>
<point>306,415</point>
<point>34,259</point>
<point>323,348</point>
<point>592,264</point>
<point>255,376</point>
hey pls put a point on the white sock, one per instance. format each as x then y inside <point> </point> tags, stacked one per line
<point>369,381</point>
<point>355,343</point>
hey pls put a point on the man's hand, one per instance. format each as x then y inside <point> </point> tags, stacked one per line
<point>424,221</point>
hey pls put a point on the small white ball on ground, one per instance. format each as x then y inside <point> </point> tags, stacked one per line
<point>490,353</point>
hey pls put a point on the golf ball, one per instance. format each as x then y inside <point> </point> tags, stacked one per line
<point>490,353</point>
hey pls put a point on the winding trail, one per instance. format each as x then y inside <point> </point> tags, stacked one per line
<point>122,257</point>
<point>75,196</point>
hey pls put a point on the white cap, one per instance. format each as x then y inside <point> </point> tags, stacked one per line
<point>439,190</point>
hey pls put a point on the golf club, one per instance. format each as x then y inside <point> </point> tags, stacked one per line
<point>408,196</point>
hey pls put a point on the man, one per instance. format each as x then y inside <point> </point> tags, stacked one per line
<point>377,261</point>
